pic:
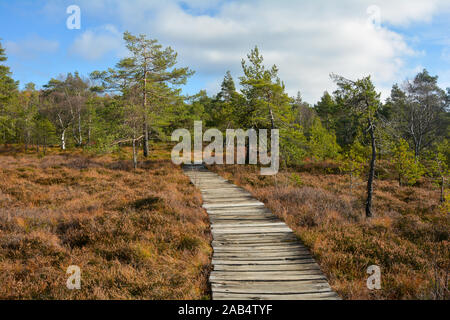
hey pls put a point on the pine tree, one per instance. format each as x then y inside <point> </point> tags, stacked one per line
<point>408,170</point>
<point>418,111</point>
<point>8,91</point>
<point>361,99</point>
<point>223,109</point>
<point>267,104</point>
<point>327,110</point>
<point>438,165</point>
<point>322,143</point>
<point>148,72</point>
<point>228,88</point>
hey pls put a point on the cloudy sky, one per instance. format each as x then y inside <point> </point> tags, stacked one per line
<point>307,40</point>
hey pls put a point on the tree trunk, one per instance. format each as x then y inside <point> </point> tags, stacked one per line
<point>63,140</point>
<point>135,164</point>
<point>80,136</point>
<point>272,119</point>
<point>145,144</point>
<point>442,189</point>
<point>89,131</point>
<point>351,182</point>
<point>369,213</point>
<point>45,145</point>
<point>27,137</point>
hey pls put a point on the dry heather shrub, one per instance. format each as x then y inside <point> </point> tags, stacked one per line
<point>135,234</point>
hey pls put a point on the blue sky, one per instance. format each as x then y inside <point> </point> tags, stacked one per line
<point>308,39</point>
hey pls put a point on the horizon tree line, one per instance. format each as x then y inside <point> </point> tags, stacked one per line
<point>139,100</point>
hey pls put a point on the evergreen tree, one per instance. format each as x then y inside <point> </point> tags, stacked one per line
<point>148,72</point>
<point>419,111</point>
<point>29,107</point>
<point>327,110</point>
<point>304,114</point>
<point>267,104</point>
<point>8,91</point>
<point>322,143</point>
<point>438,165</point>
<point>363,102</point>
<point>408,170</point>
<point>223,109</point>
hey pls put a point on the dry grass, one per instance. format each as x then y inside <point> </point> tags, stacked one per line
<point>134,234</point>
<point>408,238</point>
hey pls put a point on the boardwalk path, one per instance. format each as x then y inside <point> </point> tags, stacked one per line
<point>256,256</point>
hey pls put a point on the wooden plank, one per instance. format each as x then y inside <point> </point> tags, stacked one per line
<point>226,193</point>
<point>256,211</point>
<point>272,276</point>
<point>302,296</point>
<point>259,226</point>
<point>267,268</point>
<point>216,261</point>
<point>280,236</point>
<point>212,189</point>
<point>245,226</point>
<point>243,219</point>
<point>264,246</point>
<point>229,199</point>
<point>239,238</point>
<point>238,209</point>
<point>249,230</point>
<point>233,205</point>
<point>281,247</point>
<point>280,256</point>
<point>263,249</point>
<point>272,287</point>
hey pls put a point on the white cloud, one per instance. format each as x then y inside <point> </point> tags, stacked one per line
<point>31,47</point>
<point>308,40</point>
<point>95,44</point>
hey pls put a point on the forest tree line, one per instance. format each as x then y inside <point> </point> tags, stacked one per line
<point>139,100</point>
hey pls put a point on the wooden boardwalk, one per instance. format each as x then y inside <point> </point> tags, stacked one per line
<point>256,256</point>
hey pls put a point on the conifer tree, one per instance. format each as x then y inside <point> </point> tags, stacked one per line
<point>150,69</point>
<point>8,90</point>
<point>408,170</point>
<point>363,101</point>
<point>438,165</point>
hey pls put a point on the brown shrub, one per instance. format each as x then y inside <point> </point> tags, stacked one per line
<point>135,234</point>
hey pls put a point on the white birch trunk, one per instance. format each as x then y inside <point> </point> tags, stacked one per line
<point>63,140</point>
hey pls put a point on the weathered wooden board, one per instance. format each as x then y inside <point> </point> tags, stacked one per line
<point>260,238</point>
<point>248,296</point>
<point>221,276</point>
<point>266,268</point>
<point>256,247</point>
<point>236,262</point>
<point>272,287</point>
<point>256,256</point>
